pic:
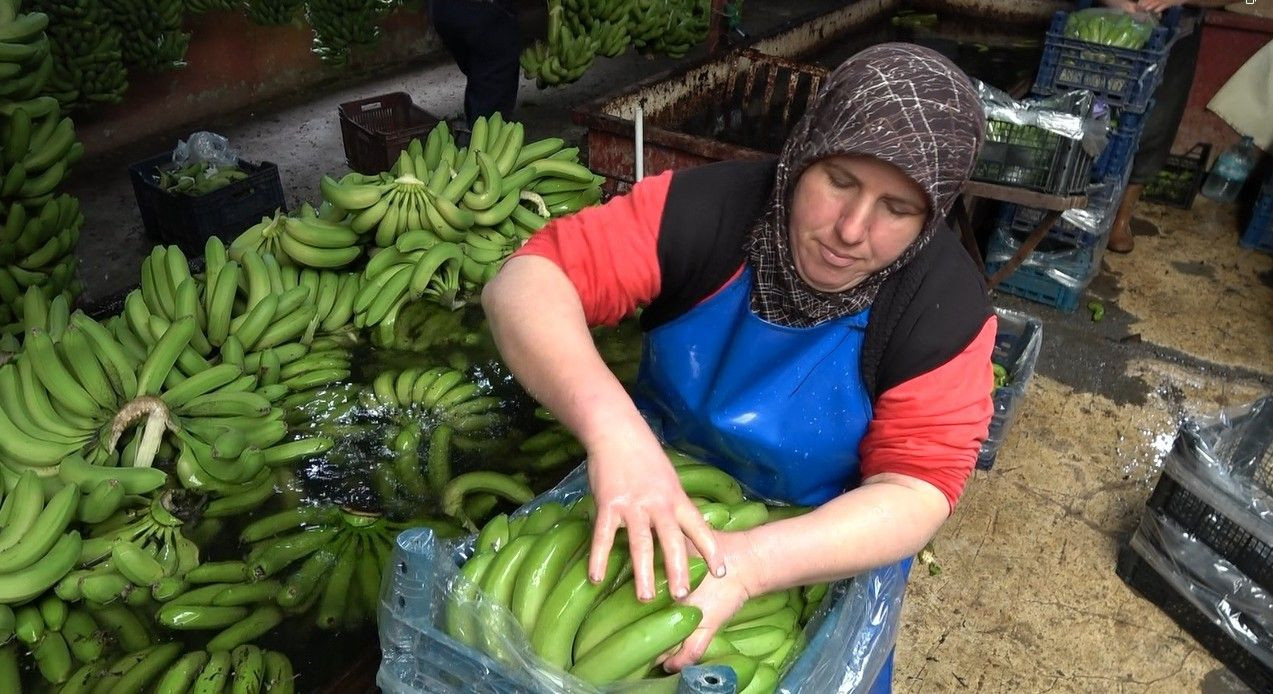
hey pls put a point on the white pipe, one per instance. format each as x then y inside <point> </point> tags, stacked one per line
<point>640,143</point>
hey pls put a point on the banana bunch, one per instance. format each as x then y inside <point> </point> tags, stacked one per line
<point>620,349</point>
<point>611,37</point>
<point>441,392</point>
<point>37,546</point>
<point>198,178</point>
<point>39,148</point>
<point>341,554</point>
<point>580,15</point>
<point>534,566</point>
<point>25,57</point>
<point>135,555</point>
<point>565,57</point>
<point>88,64</point>
<point>60,637</point>
<point>272,12</point>
<point>303,241</point>
<point>683,26</point>
<point>150,31</point>
<point>469,496</point>
<point>424,326</point>
<point>164,669</point>
<point>551,448</point>
<point>340,25</point>
<point>36,253</point>
<point>326,366</point>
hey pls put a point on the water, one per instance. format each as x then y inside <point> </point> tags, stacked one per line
<point>1221,189</point>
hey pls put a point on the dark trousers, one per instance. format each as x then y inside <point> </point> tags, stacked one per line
<point>483,39</point>
<point>1169,107</point>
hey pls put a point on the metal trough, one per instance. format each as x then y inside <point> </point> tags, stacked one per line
<point>740,104</point>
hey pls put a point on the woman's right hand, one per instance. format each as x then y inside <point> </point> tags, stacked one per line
<point>636,487</point>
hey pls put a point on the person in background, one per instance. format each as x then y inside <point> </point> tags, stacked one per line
<point>483,38</point>
<point>811,326</point>
<point>1169,107</point>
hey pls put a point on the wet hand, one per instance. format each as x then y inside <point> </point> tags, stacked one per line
<point>718,598</point>
<point>1158,5</point>
<point>636,488</point>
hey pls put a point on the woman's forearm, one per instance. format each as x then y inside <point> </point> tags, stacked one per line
<point>539,326</point>
<point>888,518</point>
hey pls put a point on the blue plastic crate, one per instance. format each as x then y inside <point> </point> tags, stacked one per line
<point>1259,231</point>
<point>857,622</point>
<point>1120,150</point>
<point>1055,277</point>
<point>1125,78</point>
<point>1017,342</point>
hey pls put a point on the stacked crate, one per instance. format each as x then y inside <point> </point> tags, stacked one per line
<point>1058,271</point>
<point>1203,551</point>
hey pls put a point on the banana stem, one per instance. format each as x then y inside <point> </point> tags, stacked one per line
<point>158,420</point>
<point>540,207</point>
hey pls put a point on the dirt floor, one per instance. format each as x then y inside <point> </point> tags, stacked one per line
<point>1027,599</point>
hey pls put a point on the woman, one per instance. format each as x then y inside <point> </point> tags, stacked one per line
<point>811,327</point>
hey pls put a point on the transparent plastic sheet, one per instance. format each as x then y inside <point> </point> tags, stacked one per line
<point>1072,267</point>
<point>1070,114</point>
<point>1103,200</point>
<point>1231,452</point>
<point>848,639</point>
<point>1235,603</point>
<point>1136,27</point>
<point>205,147</point>
<point>1018,353</point>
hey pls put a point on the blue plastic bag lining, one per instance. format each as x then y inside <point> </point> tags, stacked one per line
<point>849,638</point>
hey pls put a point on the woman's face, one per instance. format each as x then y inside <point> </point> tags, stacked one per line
<point>850,217</point>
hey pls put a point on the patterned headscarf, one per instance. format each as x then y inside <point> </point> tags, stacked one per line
<point>901,103</point>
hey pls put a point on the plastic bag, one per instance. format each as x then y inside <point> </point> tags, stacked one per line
<point>1017,344</point>
<point>1111,27</point>
<point>1070,114</point>
<point>849,638</point>
<point>1231,452</point>
<point>205,147</point>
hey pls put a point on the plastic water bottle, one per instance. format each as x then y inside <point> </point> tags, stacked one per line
<point>1230,171</point>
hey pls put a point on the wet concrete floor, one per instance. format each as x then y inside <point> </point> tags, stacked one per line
<point>1027,600</point>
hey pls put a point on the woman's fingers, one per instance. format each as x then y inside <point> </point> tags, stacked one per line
<point>703,538</point>
<point>675,562</point>
<point>602,540</point>
<point>691,651</point>
<point>641,546</point>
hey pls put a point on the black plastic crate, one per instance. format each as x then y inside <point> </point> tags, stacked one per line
<point>189,221</point>
<point>1125,78</point>
<point>1017,343</point>
<point>1259,231</point>
<point>376,129</point>
<point>1214,528</point>
<point>1180,178</point>
<point>1145,579</point>
<point>1025,156</point>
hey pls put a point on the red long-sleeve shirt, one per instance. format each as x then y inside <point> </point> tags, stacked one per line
<point>929,427</point>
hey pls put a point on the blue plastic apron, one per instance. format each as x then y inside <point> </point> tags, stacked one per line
<point>781,409</point>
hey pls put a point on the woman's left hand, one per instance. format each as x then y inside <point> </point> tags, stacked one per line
<point>718,598</point>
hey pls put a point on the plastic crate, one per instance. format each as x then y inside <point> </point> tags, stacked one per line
<point>1180,178</point>
<point>1259,231</point>
<point>189,221</point>
<point>1221,525</point>
<point>1142,577</point>
<point>1029,157</point>
<point>376,129</point>
<point>1124,139</point>
<point>1055,275</point>
<point>1017,343</point>
<point>419,656</point>
<point>1125,78</point>
<point>1103,199</point>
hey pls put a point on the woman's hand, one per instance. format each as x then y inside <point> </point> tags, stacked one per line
<point>1128,6</point>
<point>718,598</point>
<point>1158,5</point>
<point>637,488</point>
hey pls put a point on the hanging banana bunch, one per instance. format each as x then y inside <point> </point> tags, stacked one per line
<point>339,25</point>
<point>201,6</point>
<point>273,12</point>
<point>88,65</point>
<point>150,30</point>
<point>567,55</point>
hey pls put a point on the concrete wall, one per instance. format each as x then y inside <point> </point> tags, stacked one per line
<point>232,64</point>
